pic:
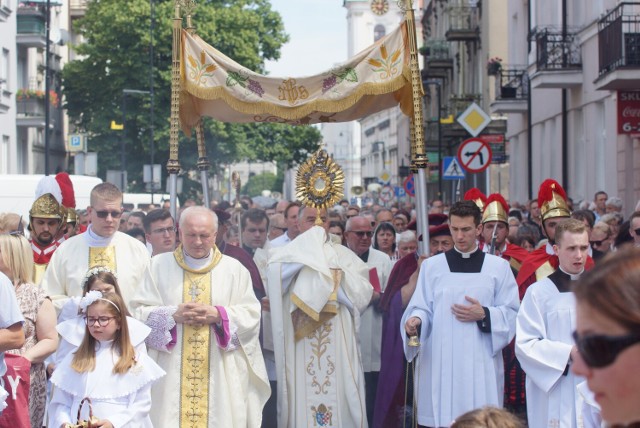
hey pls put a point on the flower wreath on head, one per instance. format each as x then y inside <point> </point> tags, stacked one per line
<point>90,298</point>
<point>96,270</point>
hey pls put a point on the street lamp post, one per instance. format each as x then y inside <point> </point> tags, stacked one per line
<point>123,159</point>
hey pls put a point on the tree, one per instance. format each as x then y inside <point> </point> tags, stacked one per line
<point>115,56</point>
<point>263,181</point>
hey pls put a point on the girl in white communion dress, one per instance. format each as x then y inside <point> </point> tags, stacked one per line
<point>105,368</point>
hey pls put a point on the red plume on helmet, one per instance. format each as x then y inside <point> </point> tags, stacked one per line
<point>474,194</point>
<point>552,200</point>
<point>496,209</point>
<point>68,194</point>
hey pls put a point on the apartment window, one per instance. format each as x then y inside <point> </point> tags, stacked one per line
<point>4,68</point>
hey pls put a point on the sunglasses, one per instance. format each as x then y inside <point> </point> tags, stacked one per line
<point>600,350</point>
<point>637,232</point>
<point>361,233</point>
<point>105,214</point>
<point>596,243</point>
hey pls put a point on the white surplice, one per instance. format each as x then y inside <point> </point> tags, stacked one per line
<point>238,386</point>
<point>70,263</point>
<point>459,367</point>
<point>320,376</point>
<point>543,344</point>
<point>123,399</point>
<point>371,319</point>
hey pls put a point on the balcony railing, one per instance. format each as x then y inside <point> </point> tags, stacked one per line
<point>557,50</point>
<point>31,27</point>
<point>512,84</point>
<point>464,23</point>
<point>619,38</point>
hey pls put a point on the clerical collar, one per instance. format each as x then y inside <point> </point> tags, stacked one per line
<point>95,240</point>
<point>197,264</point>
<point>364,256</point>
<point>460,262</point>
<point>570,275</point>
<point>466,255</point>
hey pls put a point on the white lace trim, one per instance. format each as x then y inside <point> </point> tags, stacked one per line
<point>161,322</point>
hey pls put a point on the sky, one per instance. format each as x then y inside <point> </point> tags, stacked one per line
<point>317,37</point>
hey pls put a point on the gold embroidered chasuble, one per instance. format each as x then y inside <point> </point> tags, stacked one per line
<point>317,291</point>
<point>207,385</point>
<point>196,344</point>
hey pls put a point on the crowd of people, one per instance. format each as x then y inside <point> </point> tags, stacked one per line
<point>288,316</point>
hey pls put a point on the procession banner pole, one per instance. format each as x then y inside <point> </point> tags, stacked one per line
<point>419,160</point>
<point>173,164</point>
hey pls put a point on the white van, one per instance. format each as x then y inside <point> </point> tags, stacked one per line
<point>18,191</point>
<point>141,201</point>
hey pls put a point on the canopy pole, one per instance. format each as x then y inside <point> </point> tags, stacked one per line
<point>173,164</point>
<point>419,159</point>
<point>203,163</point>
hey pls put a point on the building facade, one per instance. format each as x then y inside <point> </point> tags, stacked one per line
<point>578,124</point>
<point>460,38</point>
<point>379,142</point>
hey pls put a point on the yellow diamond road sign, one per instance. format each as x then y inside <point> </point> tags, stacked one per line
<point>474,119</point>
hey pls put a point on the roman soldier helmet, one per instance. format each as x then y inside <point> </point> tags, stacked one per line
<point>496,209</point>
<point>68,196</point>
<point>552,200</point>
<point>47,203</point>
<point>475,195</point>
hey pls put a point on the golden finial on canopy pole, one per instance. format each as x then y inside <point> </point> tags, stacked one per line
<point>173,165</point>
<point>419,160</point>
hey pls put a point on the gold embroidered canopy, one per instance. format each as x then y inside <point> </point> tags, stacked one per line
<point>214,85</point>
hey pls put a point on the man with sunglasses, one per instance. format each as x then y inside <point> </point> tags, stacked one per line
<point>358,233</point>
<point>634,228</point>
<point>101,245</point>
<point>544,325</point>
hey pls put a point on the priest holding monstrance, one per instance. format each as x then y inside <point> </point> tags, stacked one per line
<point>317,290</point>
<point>205,321</point>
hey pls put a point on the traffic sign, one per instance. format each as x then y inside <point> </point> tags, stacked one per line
<point>451,169</point>
<point>384,177</point>
<point>76,143</point>
<point>386,193</point>
<point>474,155</point>
<point>399,192</point>
<point>474,119</point>
<point>409,185</point>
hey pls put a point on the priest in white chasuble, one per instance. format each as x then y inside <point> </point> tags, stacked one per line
<point>205,321</point>
<point>463,313</point>
<point>317,290</point>
<point>545,323</point>
<point>100,245</point>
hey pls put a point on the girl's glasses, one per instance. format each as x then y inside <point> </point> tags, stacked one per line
<point>102,321</point>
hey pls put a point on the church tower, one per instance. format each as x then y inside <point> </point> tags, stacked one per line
<point>378,142</point>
